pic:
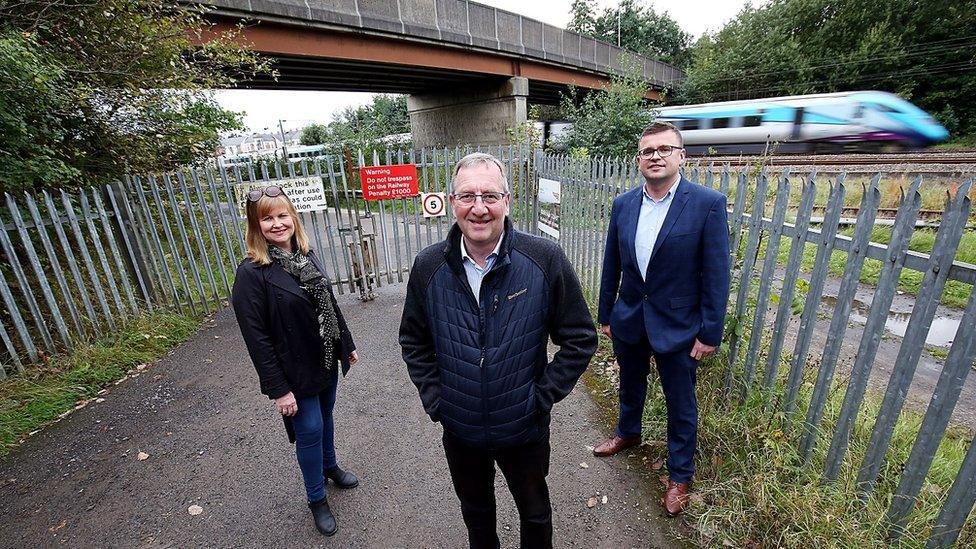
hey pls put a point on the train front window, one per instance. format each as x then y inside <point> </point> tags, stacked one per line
<point>752,121</point>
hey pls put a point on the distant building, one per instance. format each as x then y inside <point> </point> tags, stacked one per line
<point>239,150</point>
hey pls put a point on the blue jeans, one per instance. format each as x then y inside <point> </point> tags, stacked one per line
<point>677,372</point>
<point>315,439</point>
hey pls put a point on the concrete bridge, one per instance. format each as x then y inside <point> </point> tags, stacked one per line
<point>470,70</point>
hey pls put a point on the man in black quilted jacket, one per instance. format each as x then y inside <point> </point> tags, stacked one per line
<point>481,308</point>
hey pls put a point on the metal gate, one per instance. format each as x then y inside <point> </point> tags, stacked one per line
<point>80,261</point>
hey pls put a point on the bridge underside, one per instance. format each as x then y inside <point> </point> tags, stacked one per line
<point>309,58</point>
<point>444,81</point>
<point>308,73</point>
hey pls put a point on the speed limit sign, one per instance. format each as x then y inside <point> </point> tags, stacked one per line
<point>433,204</point>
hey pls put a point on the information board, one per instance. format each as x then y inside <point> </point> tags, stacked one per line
<point>307,194</point>
<point>549,199</point>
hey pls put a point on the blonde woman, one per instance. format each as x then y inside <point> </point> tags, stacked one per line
<point>297,339</point>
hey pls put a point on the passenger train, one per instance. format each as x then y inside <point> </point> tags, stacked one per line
<point>831,122</point>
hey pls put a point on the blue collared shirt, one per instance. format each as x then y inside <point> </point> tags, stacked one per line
<point>652,214</point>
<point>475,272</point>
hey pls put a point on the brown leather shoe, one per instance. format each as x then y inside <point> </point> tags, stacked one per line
<point>615,445</point>
<point>676,499</point>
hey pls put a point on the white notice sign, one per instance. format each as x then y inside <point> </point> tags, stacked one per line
<point>306,193</point>
<point>549,198</point>
<point>434,204</point>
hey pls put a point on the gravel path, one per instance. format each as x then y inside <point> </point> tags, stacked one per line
<point>213,441</point>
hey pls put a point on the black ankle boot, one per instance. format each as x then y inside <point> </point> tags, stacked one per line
<point>342,479</point>
<point>324,519</point>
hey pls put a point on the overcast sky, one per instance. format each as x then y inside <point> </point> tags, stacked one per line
<point>299,108</point>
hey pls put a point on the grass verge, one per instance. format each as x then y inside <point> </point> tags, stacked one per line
<point>956,294</point>
<point>42,395</point>
<point>752,488</point>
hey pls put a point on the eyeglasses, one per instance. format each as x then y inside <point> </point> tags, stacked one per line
<point>663,151</point>
<point>487,198</point>
<point>270,191</point>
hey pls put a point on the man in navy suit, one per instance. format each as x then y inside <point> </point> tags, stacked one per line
<point>663,293</point>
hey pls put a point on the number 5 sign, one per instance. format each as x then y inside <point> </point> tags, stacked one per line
<point>434,204</point>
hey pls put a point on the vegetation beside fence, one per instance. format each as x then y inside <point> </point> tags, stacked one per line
<point>46,392</point>
<point>752,488</point>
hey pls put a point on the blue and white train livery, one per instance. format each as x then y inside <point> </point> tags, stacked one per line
<point>830,122</point>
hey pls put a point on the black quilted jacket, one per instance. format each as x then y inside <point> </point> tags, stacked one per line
<point>483,371</point>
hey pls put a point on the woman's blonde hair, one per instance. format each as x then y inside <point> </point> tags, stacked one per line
<point>257,245</point>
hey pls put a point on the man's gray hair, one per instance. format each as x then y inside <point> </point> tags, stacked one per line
<point>485,159</point>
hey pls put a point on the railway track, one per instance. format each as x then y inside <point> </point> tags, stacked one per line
<point>948,160</point>
<point>883,213</point>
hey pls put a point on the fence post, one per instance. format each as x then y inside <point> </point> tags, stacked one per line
<point>946,242</point>
<point>21,277</point>
<point>819,274</point>
<point>135,258</point>
<point>738,209</point>
<point>745,274</point>
<point>944,399</point>
<point>76,231</point>
<point>9,344</point>
<point>19,324</point>
<point>958,504</point>
<point>842,312</point>
<point>39,271</point>
<point>766,280</point>
<point>874,327</point>
<point>797,245</point>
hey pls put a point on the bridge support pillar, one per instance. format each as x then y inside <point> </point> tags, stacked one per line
<point>476,116</point>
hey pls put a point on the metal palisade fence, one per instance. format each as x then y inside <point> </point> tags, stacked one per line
<point>769,211</point>
<point>76,263</point>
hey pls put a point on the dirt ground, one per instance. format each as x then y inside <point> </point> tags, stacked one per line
<point>213,441</point>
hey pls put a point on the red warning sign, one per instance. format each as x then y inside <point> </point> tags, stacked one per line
<point>389,182</point>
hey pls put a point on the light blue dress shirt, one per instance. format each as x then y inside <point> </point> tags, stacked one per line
<point>652,214</point>
<point>475,272</point>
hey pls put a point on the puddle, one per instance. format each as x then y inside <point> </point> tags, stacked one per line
<point>941,332</point>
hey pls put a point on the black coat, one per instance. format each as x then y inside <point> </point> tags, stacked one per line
<point>280,328</point>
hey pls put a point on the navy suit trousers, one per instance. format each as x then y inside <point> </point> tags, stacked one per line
<point>677,372</point>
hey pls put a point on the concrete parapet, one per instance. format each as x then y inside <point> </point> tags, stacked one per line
<point>481,25</point>
<point>459,22</point>
<point>509,32</point>
<point>418,19</point>
<point>588,52</point>
<point>462,116</point>
<point>381,14</point>
<point>552,41</point>
<point>452,20</point>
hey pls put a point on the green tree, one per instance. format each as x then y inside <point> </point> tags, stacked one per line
<point>923,52</point>
<point>639,29</point>
<point>608,122</point>
<point>92,90</point>
<point>361,127</point>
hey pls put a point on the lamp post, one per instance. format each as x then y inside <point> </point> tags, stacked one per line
<point>284,145</point>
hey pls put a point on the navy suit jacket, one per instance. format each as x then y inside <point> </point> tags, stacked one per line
<point>686,289</point>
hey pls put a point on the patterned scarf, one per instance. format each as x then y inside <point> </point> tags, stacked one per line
<point>299,266</point>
